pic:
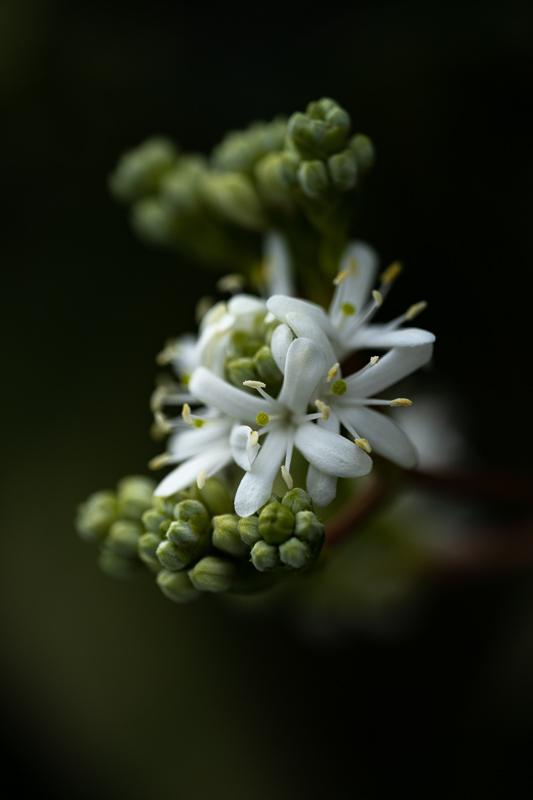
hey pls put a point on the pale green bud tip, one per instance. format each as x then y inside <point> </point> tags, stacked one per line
<point>364,151</point>
<point>226,535</point>
<point>294,553</point>
<point>240,370</point>
<point>266,368</point>
<point>134,496</point>
<point>123,537</point>
<point>147,548</point>
<point>297,500</point>
<point>249,530</point>
<point>321,131</point>
<point>239,150</point>
<point>139,171</point>
<point>308,526</point>
<point>194,514</point>
<point>170,557</point>
<point>276,523</point>
<point>343,170</point>
<point>153,520</point>
<point>264,556</point>
<point>313,178</point>
<point>233,197</point>
<point>96,516</point>
<point>177,586</point>
<point>213,574</point>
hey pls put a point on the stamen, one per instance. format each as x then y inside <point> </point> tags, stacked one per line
<point>363,443</point>
<point>339,388</point>
<point>341,277</point>
<point>324,408</point>
<point>186,414</point>
<point>401,401</point>
<point>161,422</point>
<point>378,298</point>
<point>348,309</point>
<point>287,477</point>
<point>262,418</point>
<point>254,384</point>
<point>415,310</point>
<point>254,438</point>
<point>391,273</point>
<point>233,282</point>
<point>168,353</point>
<point>374,360</point>
<point>200,480</point>
<point>334,371</point>
<point>160,461</point>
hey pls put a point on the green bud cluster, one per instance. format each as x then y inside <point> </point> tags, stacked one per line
<point>285,535</point>
<point>249,357</point>
<point>112,521</point>
<point>241,150</point>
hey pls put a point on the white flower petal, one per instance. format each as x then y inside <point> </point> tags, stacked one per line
<point>304,367</point>
<point>244,453</point>
<point>392,367</point>
<point>331,453</point>
<point>246,304</point>
<point>185,475</point>
<point>305,326</point>
<point>356,287</point>
<point>256,486</point>
<point>217,393</point>
<point>188,442</point>
<point>281,340</point>
<point>321,487</point>
<point>378,336</point>
<point>280,305</point>
<point>384,435</point>
<point>279,277</point>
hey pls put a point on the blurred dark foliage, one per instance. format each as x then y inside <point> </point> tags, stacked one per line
<point>444,90</point>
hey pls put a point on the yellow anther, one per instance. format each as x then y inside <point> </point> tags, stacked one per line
<point>161,422</point>
<point>324,408</point>
<point>378,299</point>
<point>160,461</point>
<point>233,282</point>
<point>156,400</point>
<point>401,401</point>
<point>348,309</point>
<point>341,277</point>
<point>186,414</point>
<point>363,444</point>
<point>254,438</point>
<point>391,273</point>
<point>334,371</point>
<point>200,480</point>
<point>262,419</point>
<point>287,477</point>
<point>415,310</point>
<point>254,384</point>
<point>168,353</point>
<point>374,360</point>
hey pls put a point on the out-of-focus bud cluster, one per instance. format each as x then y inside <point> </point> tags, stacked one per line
<point>193,541</point>
<point>299,176</point>
<point>249,358</point>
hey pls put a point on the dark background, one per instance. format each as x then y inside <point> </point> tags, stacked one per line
<point>110,688</point>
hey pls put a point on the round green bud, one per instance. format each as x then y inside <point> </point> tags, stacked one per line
<point>275,175</point>
<point>213,574</point>
<point>276,523</point>
<point>313,178</point>
<point>181,533</point>
<point>96,516</point>
<point>364,151</point>
<point>152,221</point>
<point>294,553</point>
<point>140,170</point>
<point>266,368</point>
<point>116,566</point>
<point>134,496</point>
<point>343,170</point>
<point>213,496</point>
<point>264,556</point>
<point>239,150</point>
<point>226,535</point>
<point>308,526</point>
<point>194,514</point>
<point>152,520</point>
<point>297,500</point>
<point>123,537</point>
<point>249,530</point>
<point>177,586</point>
<point>232,196</point>
<point>169,556</point>
<point>239,370</point>
<point>147,548</point>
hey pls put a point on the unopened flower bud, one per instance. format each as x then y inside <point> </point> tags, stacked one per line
<point>116,566</point>
<point>364,151</point>
<point>266,368</point>
<point>226,535</point>
<point>240,370</point>
<point>249,530</point>
<point>297,500</point>
<point>276,523</point>
<point>177,586</point>
<point>194,514</point>
<point>153,519</point>
<point>170,557</point>
<point>264,556</point>
<point>313,178</point>
<point>233,197</point>
<point>308,527</point>
<point>213,574</point>
<point>96,516</point>
<point>343,170</point>
<point>147,548</point>
<point>294,553</point>
<point>152,221</point>
<point>134,496</point>
<point>123,537</point>
<point>140,170</point>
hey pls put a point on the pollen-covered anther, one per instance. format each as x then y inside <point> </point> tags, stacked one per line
<point>339,388</point>
<point>158,397</point>
<point>363,443</point>
<point>287,477</point>
<point>378,298</point>
<point>254,384</point>
<point>401,401</point>
<point>262,419</point>
<point>374,360</point>
<point>160,461</point>
<point>391,273</point>
<point>324,408</point>
<point>334,371</point>
<point>415,310</point>
<point>186,414</point>
<point>341,277</point>
<point>161,422</point>
<point>254,438</point>
<point>200,480</point>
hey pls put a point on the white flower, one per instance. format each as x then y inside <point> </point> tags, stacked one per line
<point>347,324</point>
